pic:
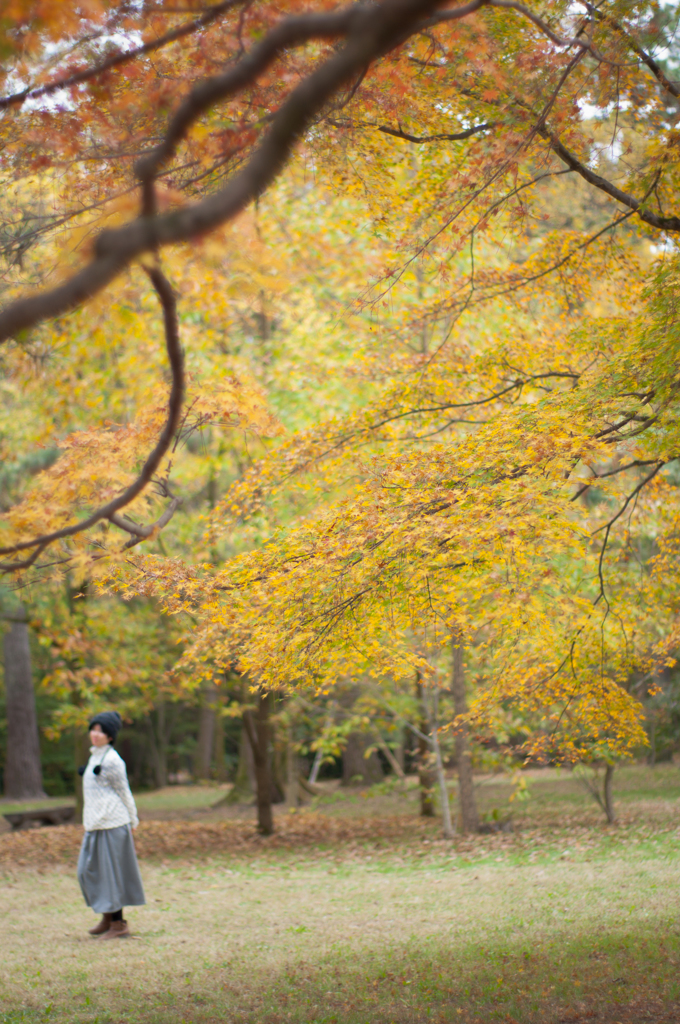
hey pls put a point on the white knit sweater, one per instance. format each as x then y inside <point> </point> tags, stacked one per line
<point>107,800</point>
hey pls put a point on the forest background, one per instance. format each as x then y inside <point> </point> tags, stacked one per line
<point>414,495</point>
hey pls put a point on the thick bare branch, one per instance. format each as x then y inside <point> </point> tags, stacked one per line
<point>372,31</point>
<point>289,33</point>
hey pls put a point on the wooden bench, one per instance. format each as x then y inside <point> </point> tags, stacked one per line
<point>44,816</point>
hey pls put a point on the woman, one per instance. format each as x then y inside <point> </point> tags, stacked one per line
<point>107,867</point>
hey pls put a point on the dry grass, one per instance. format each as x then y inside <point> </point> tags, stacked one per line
<point>351,939</point>
<point>359,920</point>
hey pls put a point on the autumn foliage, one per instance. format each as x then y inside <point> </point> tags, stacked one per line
<point>413,269</point>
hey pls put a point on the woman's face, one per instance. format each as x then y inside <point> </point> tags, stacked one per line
<point>98,737</point>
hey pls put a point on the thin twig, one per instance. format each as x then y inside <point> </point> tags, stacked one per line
<point>118,59</point>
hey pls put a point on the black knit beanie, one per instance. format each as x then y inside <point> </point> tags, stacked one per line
<point>110,722</point>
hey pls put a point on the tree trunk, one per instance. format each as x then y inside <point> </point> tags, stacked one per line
<point>23,772</point>
<point>389,757</point>
<point>608,794</point>
<point>466,790</point>
<point>277,766</point>
<point>292,771</point>
<point>258,728</point>
<point>400,751</point>
<point>433,723</point>
<point>314,774</point>
<point>651,757</point>
<point>158,744</point>
<point>81,750</point>
<point>357,769</point>
<point>426,776</point>
<point>243,790</point>
<point>76,600</point>
<point>318,757</point>
<point>206,736</point>
<point>219,758</point>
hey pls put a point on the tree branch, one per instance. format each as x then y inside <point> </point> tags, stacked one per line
<point>140,533</point>
<point>289,33</point>
<point>250,729</point>
<point>607,527</point>
<point>399,133</point>
<point>441,137</point>
<point>636,48</point>
<point>613,472</point>
<point>545,28</point>
<point>176,359</point>
<point>371,30</point>
<point>117,59</point>
<point>574,164</point>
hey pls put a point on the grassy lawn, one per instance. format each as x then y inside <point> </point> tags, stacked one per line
<point>556,796</point>
<point>554,793</point>
<point>566,920</point>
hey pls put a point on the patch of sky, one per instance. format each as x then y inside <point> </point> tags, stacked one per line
<point>666,247</point>
<point>55,52</point>
<point>461,120</point>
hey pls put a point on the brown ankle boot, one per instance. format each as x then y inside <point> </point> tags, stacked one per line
<point>117,930</point>
<point>103,925</point>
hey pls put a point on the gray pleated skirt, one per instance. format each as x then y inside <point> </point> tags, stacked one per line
<point>108,871</point>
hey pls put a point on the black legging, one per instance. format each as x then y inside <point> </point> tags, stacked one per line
<point>117,915</point>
